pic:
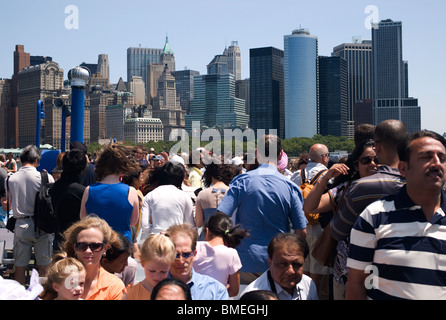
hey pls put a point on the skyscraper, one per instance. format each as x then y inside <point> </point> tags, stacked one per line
<point>301,84</point>
<point>267,110</point>
<point>139,58</point>
<point>234,60</point>
<point>390,73</point>
<point>214,104</point>
<point>104,66</point>
<point>333,96</point>
<point>184,80</point>
<point>34,83</point>
<point>358,55</point>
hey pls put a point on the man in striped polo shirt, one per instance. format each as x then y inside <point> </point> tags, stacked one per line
<point>398,244</point>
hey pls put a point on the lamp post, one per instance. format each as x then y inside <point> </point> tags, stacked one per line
<point>79,77</point>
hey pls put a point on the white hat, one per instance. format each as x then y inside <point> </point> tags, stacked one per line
<point>237,161</point>
<point>175,159</point>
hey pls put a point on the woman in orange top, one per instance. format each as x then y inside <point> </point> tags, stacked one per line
<point>88,240</point>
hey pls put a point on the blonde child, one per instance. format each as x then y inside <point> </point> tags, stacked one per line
<point>157,254</point>
<point>65,279</point>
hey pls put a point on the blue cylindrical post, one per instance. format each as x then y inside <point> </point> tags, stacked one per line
<point>40,115</point>
<point>64,126</point>
<point>77,113</point>
<point>78,77</point>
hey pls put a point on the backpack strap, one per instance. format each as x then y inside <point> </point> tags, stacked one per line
<point>317,176</point>
<point>303,179</point>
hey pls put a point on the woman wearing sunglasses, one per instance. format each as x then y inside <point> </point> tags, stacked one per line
<point>361,163</point>
<point>88,240</point>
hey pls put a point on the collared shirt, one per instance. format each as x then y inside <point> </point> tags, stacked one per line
<point>404,253</point>
<point>362,192</point>
<point>108,287</point>
<point>304,290</point>
<point>265,202</point>
<point>311,170</point>
<point>203,287</point>
<point>23,187</point>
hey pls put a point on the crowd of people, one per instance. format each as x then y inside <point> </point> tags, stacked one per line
<point>201,229</point>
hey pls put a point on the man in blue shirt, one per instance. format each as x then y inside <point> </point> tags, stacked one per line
<point>265,203</point>
<point>202,287</point>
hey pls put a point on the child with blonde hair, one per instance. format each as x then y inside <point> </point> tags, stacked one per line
<point>65,279</point>
<point>157,254</point>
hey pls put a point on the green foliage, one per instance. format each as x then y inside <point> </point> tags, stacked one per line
<point>293,147</point>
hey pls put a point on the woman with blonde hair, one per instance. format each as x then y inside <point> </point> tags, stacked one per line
<point>109,198</point>
<point>157,254</point>
<point>88,240</point>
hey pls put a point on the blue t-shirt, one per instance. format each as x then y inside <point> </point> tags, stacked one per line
<point>110,202</point>
<point>203,287</point>
<point>266,202</point>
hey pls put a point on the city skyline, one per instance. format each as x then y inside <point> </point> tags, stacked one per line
<point>196,35</point>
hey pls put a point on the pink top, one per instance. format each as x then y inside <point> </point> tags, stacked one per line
<point>218,262</point>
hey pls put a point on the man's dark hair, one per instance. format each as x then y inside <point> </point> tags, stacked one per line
<point>270,141</point>
<point>364,131</point>
<point>259,295</point>
<point>29,154</point>
<point>171,281</point>
<point>288,239</point>
<point>74,163</point>
<point>404,146</point>
<point>390,133</point>
<point>172,174</point>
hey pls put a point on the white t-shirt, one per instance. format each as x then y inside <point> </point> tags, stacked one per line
<point>305,289</point>
<point>166,206</point>
<point>218,262</point>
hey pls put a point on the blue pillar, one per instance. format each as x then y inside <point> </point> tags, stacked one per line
<point>79,77</point>
<point>77,113</point>
<point>40,115</point>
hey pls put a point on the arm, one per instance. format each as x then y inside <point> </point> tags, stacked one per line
<point>317,200</point>
<point>356,285</point>
<point>83,211</point>
<point>233,284</point>
<point>145,216</point>
<point>134,201</point>
<point>199,215</point>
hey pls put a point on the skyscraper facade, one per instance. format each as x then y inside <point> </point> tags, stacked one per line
<point>214,104</point>
<point>36,83</point>
<point>139,58</point>
<point>184,80</point>
<point>390,73</point>
<point>267,105</point>
<point>359,69</point>
<point>333,96</point>
<point>234,60</point>
<point>301,84</point>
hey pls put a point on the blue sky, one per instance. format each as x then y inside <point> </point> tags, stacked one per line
<point>200,29</point>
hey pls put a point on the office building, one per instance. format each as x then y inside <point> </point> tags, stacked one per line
<point>5,103</point>
<point>36,83</point>
<point>143,130</point>
<point>184,80</point>
<point>214,104</point>
<point>358,55</point>
<point>139,58</point>
<point>166,105</point>
<point>333,96</point>
<point>234,60</point>
<point>301,84</point>
<point>390,74</point>
<point>266,87</point>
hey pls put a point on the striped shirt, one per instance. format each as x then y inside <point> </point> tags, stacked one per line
<point>361,193</point>
<point>403,252</point>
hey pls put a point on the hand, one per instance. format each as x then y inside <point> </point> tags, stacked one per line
<point>336,170</point>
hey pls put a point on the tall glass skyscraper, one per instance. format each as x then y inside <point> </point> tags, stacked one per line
<point>214,104</point>
<point>390,73</point>
<point>301,84</point>
<point>267,109</point>
<point>139,58</point>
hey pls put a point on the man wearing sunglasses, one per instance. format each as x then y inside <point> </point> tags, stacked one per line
<point>202,286</point>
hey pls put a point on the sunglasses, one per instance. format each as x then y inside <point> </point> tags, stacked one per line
<point>185,255</point>
<point>94,246</point>
<point>368,160</point>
